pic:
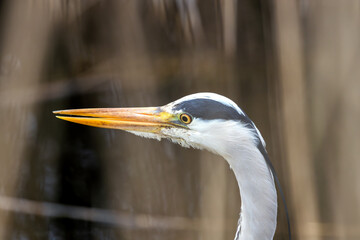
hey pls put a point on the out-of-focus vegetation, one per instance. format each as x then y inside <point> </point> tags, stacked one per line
<point>291,65</point>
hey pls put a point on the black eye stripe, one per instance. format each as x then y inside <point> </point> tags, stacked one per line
<point>209,109</point>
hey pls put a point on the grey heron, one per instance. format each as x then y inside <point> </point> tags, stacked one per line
<point>215,123</point>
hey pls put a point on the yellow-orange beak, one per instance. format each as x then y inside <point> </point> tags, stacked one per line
<point>148,119</point>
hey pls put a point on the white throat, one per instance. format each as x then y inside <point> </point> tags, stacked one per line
<point>258,196</point>
<point>237,143</point>
<point>257,191</point>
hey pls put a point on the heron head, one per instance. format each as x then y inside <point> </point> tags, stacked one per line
<point>201,120</point>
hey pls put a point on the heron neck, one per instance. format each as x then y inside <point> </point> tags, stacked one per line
<point>258,194</point>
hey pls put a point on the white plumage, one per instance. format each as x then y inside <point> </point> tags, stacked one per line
<point>214,123</point>
<point>237,144</point>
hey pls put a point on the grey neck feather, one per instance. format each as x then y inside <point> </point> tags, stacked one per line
<point>257,191</point>
<point>237,143</point>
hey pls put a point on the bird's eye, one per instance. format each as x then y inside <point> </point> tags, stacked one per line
<point>185,118</point>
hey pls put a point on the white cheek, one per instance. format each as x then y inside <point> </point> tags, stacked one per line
<point>219,136</point>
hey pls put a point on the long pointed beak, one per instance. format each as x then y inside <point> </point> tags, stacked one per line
<point>148,119</point>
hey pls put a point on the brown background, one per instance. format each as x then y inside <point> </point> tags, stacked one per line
<point>293,66</point>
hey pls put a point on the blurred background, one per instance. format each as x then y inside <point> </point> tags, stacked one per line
<point>291,65</point>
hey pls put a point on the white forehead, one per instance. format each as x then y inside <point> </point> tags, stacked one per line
<point>208,95</point>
